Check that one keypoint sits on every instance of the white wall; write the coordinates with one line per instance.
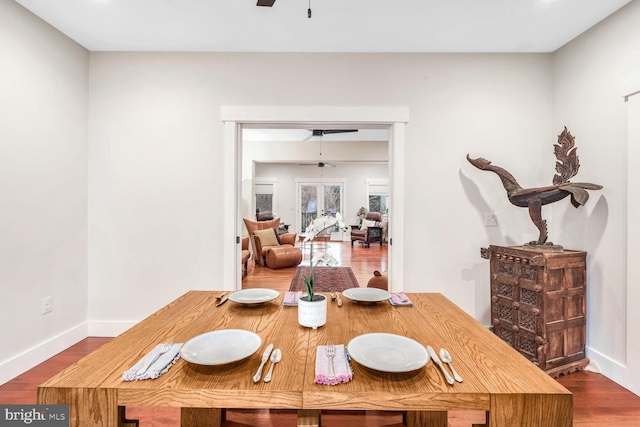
(43, 190)
(587, 78)
(155, 171)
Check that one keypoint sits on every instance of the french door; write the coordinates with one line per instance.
(316, 199)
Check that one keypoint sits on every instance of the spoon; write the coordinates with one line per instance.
(446, 358)
(275, 358)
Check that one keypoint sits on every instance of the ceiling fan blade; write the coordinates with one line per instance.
(321, 132)
(266, 3)
(328, 131)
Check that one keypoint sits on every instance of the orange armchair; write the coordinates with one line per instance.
(262, 242)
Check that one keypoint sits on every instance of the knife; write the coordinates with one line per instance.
(265, 357)
(437, 361)
(222, 301)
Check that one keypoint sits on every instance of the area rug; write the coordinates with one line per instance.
(327, 279)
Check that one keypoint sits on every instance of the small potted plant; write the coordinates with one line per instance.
(312, 307)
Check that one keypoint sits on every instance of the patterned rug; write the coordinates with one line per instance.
(327, 279)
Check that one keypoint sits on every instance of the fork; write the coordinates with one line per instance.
(165, 347)
(331, 352)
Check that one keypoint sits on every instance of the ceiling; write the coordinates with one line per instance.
(335, 26)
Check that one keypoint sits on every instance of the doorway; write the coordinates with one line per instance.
(236, 118)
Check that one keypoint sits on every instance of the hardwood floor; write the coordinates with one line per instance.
(363, 261)
(598, 401)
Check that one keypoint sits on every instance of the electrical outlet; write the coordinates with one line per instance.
(47, 305)
(490, 219)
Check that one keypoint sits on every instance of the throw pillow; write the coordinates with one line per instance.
(366, 224)
(267, 237)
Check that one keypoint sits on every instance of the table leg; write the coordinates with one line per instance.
(122, 418)
(531, 410)
(486, 421)
(309, 418)
(87, 406)
(425, 419)
(200, 417)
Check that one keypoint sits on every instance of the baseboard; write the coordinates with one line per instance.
(108, 329)
(614, 370)
(32, 357)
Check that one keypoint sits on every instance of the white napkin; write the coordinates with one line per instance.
(291, 298)
(158, 367)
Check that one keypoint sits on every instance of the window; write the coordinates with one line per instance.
(265, 195)
(378, 194)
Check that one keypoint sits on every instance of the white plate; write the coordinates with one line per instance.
(388, 352)
(220, 347)
(366, 294)
(254, 296)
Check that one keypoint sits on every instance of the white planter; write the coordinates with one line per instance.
(312, 314)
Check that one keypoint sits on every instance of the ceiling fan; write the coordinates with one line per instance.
(319, 164)
(322, 132)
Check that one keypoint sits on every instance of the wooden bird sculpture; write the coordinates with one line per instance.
(567, 166)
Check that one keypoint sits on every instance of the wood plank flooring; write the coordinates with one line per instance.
(598, 401)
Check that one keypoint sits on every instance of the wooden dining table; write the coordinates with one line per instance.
(497, 379)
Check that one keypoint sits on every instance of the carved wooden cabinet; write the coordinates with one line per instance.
(538, 304)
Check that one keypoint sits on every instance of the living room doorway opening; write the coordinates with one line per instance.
(235, 119)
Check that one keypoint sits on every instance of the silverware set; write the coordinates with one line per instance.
(275, 358)
(447, 359)
(335, 296)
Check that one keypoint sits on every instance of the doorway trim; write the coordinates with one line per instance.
(235, 118)
(630, 377)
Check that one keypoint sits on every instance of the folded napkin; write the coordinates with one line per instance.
(400, 298)
(341, 366)
(157, 368)
(291, 298)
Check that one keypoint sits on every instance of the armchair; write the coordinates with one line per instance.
(269, 216)
(369, 231)
(246, 254)
(262, 242)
